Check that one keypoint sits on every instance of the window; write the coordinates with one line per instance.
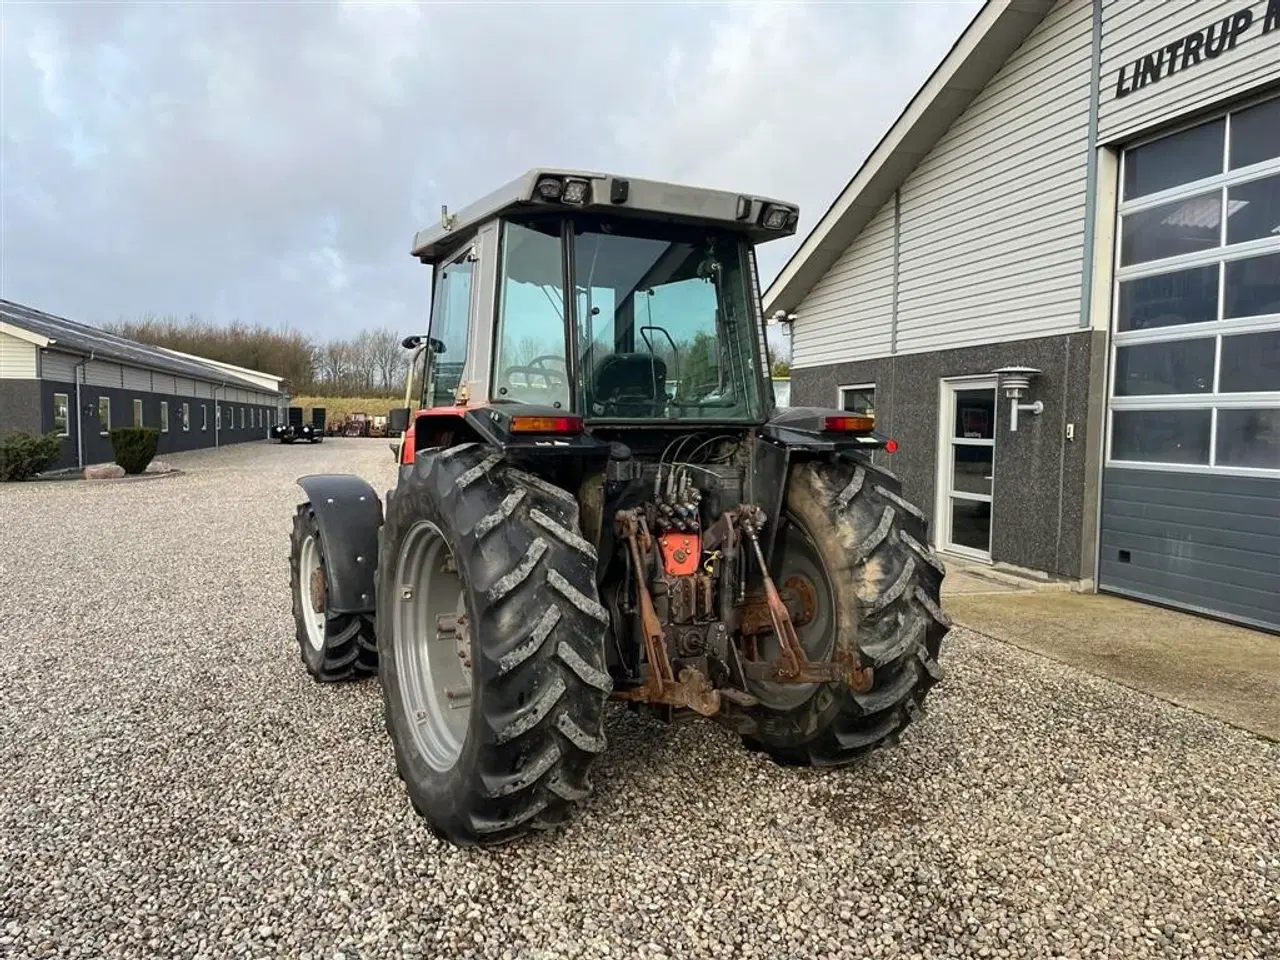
(204, 417)
(137, 413)
(186, 417)
(665, 328)
(104, 415)
(62, 414)
(1196, 362)
(859, 398)
(451, 326)
(217, 416)
(164, 416)
(242, 409)
(530, 364)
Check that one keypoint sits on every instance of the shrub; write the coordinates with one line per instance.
(22, 456)
(134, 447)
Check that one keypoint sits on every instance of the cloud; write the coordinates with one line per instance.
(271, 161)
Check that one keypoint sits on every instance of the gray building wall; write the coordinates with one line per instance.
(1042, 510)
(19, 407)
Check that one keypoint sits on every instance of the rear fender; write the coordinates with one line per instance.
(349, 514)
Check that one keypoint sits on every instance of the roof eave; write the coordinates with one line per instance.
(27, 336)
(995, 32)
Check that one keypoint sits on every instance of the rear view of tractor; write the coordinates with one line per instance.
(294, 430)
(598, 499)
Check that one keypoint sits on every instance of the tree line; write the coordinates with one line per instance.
(370, 364)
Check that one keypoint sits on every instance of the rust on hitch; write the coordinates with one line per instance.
(691, 689)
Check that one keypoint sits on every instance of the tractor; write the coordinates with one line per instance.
(597, 500)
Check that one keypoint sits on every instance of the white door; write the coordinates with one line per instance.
(966, 462)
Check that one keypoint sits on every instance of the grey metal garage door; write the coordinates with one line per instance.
(1191, 485)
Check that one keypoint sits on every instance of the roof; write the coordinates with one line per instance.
(608, 192)
(62, 334)
(268, 380)
(995, 32)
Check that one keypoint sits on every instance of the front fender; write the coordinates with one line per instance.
(348, 513)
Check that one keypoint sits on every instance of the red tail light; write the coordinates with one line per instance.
(892, 446)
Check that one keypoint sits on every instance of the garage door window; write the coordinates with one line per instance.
(1196, 361)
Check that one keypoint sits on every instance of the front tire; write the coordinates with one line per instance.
(333, 647)
(878, 594)
(503, 745)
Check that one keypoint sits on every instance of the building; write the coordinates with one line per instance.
(78, 381)
(1053, 198)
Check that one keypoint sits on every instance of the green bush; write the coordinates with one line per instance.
(22, 456)
(134, 447)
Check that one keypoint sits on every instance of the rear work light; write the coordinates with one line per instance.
(575, 191)
(849, 424)
(562, 425)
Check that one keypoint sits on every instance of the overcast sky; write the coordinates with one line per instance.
(271, 161)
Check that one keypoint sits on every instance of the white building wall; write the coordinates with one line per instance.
(18, 359)
(136, 379)
(992, 220)
(848, 314)
(1132, 29)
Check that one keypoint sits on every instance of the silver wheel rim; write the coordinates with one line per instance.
(799, 555)
(432, 647)
(308, 569)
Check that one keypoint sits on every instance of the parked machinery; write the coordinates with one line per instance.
(565, 530)
(294, 429)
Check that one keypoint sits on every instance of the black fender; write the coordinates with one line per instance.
(349, 515)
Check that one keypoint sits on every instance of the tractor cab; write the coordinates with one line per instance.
(597, 300)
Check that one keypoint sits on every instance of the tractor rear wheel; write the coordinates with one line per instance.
(333, 646)
(858, 555)
(491, 640)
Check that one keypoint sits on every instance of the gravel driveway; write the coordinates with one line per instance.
(172, 784)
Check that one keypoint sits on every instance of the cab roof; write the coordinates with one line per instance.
(546, 189)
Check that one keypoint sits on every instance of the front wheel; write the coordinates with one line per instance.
(491, 642)
(856, 552)
(333, 646)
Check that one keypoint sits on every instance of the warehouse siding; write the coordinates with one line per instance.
(848, 314)
(58, 366)
(993, 218)
(1135, 28)
(1203, 542)
(17, 359)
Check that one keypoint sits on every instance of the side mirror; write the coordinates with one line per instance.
(398, 419)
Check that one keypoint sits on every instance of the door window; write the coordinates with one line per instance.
(451, 327)
(970, 468)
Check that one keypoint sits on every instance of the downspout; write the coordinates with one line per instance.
(79, 370)
(1086, 292)
(217, 415)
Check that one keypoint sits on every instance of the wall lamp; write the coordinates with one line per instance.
(1013, 381)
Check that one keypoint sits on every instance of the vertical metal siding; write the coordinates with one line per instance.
(58, 366)
(992, 231)
(1133, 28)
(136, 379)
(18, 359)
(848, 314)
(100, 373)
(1203, 542)
(164, 383)
(184, 387)
(203, 389)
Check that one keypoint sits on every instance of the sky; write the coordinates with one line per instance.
(269, 162)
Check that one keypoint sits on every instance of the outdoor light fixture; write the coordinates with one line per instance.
(1014, 380)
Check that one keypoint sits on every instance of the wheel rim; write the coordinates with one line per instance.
(798, 560)
(311, 574)
(432, 647)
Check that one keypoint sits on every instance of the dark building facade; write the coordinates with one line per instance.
(75, 381)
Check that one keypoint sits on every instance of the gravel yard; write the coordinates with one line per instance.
(173, 784)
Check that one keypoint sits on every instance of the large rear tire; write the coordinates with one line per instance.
(333, 647)
(491, 640)
(875, 590)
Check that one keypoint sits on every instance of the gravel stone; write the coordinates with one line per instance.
(174, 785)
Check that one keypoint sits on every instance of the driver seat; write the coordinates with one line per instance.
(630, 385)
